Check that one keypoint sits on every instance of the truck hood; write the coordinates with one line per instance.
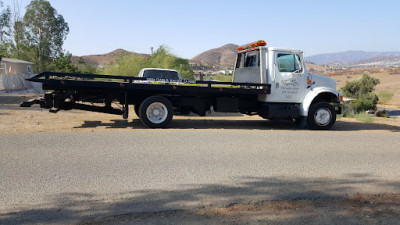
(322, 81)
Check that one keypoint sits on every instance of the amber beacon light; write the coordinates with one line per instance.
(252, 45)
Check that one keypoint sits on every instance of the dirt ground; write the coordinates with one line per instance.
(14, 119)
(358, 209)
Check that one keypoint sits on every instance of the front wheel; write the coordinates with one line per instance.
(156, 112)
(321, 116)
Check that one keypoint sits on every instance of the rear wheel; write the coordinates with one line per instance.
(156, 112)
(321, 116)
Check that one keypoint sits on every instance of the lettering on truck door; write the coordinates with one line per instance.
(290, 80)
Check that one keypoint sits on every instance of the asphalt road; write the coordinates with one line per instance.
(390, 112)
(70, 177)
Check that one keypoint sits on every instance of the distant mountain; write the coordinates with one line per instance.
(224, 56)
(348, 56)
(377, 61)
(103, 59)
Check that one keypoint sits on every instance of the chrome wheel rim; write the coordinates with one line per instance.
(157, 112)
(322, 117)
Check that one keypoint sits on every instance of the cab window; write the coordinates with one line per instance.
(251, 61)
(248, 59)
(289, 63)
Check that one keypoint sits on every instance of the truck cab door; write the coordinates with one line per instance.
(290, 77)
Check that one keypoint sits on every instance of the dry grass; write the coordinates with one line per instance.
(364, 118)
(385, 96)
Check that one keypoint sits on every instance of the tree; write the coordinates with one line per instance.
(128, 65)
(162, 58)
(63, 64)
(83, 67)
(20, 45)
(46, 31)
(5, 23)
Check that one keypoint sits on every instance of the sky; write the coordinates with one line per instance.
(189, 28)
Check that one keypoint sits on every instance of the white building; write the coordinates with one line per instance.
(13, 73)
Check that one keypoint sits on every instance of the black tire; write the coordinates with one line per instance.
(156, 112)
(321, 116)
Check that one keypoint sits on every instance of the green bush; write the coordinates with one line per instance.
(360, 89)
(362, 105)
(86, 69)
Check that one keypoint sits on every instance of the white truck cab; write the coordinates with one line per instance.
(293, 89)
(160, 74)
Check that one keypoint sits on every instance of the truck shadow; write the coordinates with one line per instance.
(142, 206)
(114, 124)
(237, 124)
(196, 124)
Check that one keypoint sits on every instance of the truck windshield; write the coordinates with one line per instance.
(248, 59)
(161, 74)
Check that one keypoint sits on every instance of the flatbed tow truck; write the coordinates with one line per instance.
(269, 82)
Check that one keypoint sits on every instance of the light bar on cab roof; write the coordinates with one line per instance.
(252, 45)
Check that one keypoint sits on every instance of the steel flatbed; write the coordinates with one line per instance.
(70, 90)
(69, 81)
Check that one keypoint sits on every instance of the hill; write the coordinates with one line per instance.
(221, 57)
(103, 59)
(224, 58)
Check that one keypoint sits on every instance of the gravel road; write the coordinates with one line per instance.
(70, 177)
